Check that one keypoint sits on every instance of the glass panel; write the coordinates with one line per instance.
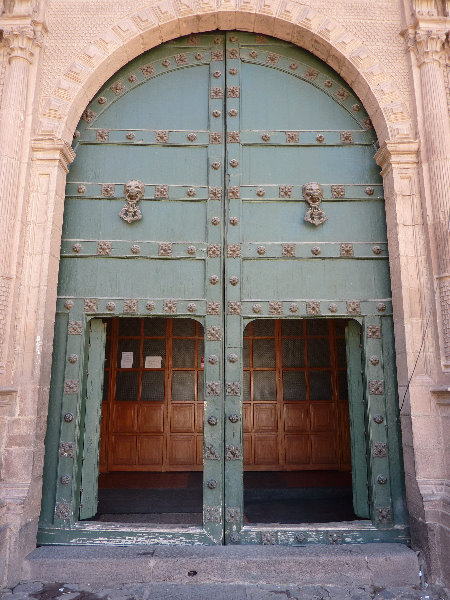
(183, 354)
(246, 386)
(184, 327)
(340, 325)
(127, 386)
(343, 385)
(152, 386)
(129, 326)
(320, 385)
(263, 327)
(264, 353)
(341, 354)
(317, 327)
(294, 385)
(129, 362)
(183, 386)
(293, 353)
(201, 354)
(200, 388)
(264, 386)
(292, 327)
(105, 386)
(155, 327)
(319, 353)
(153, 350)
(246, 353)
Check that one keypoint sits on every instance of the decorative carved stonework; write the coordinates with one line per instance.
(313, 308)
(90, 305)
(165, 249)
(376, 387)
(104, 248)
(233, 251)
(162, 191)
(170, 306)
(285, 191)
(67, 449)
(192, 307)
(288, 250)
(353, 307)
(213, 334)
(338, 191)
(232, 514)
(108, 190)
(71, 386)
(110, 306)
(62, 510)
(428, 46)
(293, 307)
(234, 308)
(313, 194)
(234, 192)
(374, 331)
(213, 388)
(213, 308)
(257, 308)
(384, 514)
(134, 192)
(212, 514)
(74, 328)
(233, 452)
(130, 305)
(210, 452)
(275, 308)
(346, 250)
(292, 137)
(215, 193)
(213, 251)
(379, 450)
(233, 388)
(68, 304)
(424, 8)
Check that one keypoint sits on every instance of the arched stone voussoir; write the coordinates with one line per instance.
(290, 20)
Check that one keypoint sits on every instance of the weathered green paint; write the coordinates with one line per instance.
(357, 419)
(206, 122)
(93, 411)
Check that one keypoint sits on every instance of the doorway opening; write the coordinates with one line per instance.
(151, 450)
(297, 458)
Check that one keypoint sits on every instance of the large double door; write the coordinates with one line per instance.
(227, 178)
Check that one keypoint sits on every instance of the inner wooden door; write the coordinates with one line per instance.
(152, 413)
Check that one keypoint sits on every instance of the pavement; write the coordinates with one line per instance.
(32, 590)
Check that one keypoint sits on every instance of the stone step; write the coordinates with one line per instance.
(365, 564)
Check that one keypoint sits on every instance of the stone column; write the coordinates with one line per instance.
(429, 47)
(21, 41)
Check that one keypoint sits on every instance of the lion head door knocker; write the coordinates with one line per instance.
(313, 195)
(134, 192)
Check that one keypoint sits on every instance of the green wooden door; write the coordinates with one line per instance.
(190, 196)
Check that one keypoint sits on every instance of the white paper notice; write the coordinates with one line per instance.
(153, 362)
(127, 360)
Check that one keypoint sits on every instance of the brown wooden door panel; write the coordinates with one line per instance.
(265, 449)
(150, 450)
(199, 447)
(323, 417)
(124, 417)
(298, 450)
(182, 451)
(199, 417)
(324, 449)
(123, 450)
(151, 418)
(247, 417)
(182, 417)
(296, 417)
(265, 417)
(248, 449)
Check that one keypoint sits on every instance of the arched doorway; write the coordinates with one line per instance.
(228, 178)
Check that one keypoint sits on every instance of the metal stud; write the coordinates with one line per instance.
(212, 420)
(212, 484)
(232, 358)
(68, 417)
(378, 419)
(233, 418)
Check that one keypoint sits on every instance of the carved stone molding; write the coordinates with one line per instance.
(428, 45)
(21, 41)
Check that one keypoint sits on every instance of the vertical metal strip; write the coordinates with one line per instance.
(213, 484)
(234, 508)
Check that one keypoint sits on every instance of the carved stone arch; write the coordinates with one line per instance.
(292, 22)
